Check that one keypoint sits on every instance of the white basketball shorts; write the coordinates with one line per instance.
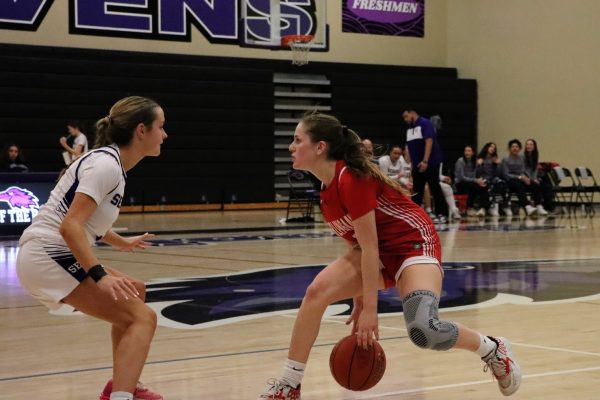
(49, 272)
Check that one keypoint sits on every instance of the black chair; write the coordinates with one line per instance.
(303, 196)
(565, 189)
(587, 187)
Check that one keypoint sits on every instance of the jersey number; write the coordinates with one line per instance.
(73, 268)
(116, 200)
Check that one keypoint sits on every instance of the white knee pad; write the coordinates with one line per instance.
(424, 328)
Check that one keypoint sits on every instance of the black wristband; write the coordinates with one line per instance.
(96, 272)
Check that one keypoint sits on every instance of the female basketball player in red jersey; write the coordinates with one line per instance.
(56, 263)
(391, 243)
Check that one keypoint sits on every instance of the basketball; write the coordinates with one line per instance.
(354, 367)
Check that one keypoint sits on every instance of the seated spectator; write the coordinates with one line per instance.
(368, 146)
(446, 185)
(394, 166)
(406, 165)
(11, 159)
(489, 169)
(467, 182)
(80, 143)
(518, 180)
(532, 169)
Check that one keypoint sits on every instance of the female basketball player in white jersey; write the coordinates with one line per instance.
(391, 243)
(56, 263)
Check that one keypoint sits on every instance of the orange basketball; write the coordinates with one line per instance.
(355, 368)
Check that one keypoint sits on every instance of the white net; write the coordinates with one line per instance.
(300, 51)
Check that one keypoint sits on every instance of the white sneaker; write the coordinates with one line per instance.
(529, 222)
(541, 210)
(471, 212)
(494, 210)
(279, 390)
(439, 219)
(455, 213)
(504, 367)
(481, 212)
(508, 212)
(530, 210)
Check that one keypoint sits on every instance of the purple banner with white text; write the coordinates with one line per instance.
(384, 17)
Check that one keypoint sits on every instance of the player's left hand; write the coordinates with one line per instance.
(136, 242)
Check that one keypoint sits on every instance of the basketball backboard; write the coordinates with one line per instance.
(264, 22)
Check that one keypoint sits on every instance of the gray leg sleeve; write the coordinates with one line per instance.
(424, 328)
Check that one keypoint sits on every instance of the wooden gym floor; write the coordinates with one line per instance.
(226, 286)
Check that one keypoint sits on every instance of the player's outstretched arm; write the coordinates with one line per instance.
(129, 243)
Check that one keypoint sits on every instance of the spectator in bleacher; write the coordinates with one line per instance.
(394, 165)
(518, 180)
(368, 147)
(489, 168)
(467, 182)
(426, 157)
(80, 143)
(532, 169)
(446, 185)
(11, 159)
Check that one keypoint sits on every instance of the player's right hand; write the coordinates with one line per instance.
(117, 287)
(356, 310)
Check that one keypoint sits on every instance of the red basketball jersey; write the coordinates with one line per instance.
(401, 224)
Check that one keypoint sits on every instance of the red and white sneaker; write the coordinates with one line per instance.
(504, 367)
(278, 390)
(141, 392)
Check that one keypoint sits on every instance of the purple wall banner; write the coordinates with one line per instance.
(384, 17)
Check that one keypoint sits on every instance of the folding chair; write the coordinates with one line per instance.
(565, 189)
(303, 196)
(587, 188)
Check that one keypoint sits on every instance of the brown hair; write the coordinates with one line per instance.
(118, 126)
(344, 144)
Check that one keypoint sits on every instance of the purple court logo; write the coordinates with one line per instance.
(217, 300)
(384, 17)
(23, 206)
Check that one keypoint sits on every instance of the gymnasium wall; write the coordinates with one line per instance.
(344, 47)
(536, 63)
(219, 99)
(219, 112)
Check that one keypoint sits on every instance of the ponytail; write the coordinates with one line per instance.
(120, 123)
(102, 132)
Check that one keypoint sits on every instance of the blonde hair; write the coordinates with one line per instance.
(344, 144)
(118, 126)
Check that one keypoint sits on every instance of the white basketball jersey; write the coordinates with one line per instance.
(98, 174)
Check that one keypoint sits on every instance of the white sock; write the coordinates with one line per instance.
(121, 396)
(293, 372)
(486, 346)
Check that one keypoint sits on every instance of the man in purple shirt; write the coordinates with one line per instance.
(426, 158)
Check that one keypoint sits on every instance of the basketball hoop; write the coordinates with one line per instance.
(300, 46)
